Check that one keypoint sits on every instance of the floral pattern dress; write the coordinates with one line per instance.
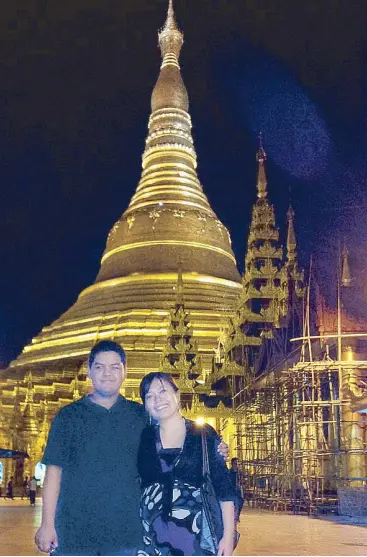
(176, 532)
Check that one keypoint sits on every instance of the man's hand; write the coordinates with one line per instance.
(46, 538)
(223, 449)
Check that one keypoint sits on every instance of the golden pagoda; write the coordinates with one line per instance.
(169, 220)
(272, 286)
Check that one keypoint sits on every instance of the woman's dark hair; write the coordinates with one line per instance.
(148, 380)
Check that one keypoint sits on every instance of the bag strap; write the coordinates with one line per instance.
(204, 446)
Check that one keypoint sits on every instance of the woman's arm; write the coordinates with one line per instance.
(227, 542)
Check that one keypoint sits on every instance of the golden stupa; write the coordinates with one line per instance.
(168, 224)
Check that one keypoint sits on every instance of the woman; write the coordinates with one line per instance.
(170, 467)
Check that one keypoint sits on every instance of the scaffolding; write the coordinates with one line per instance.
(298, 440)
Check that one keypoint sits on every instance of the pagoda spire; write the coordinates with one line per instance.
(169, 206)
(29, 422)
(291, 237)
(259, 308)
(180, 355)
(179, 286)
(262, 183)
(170, 40)
(17, 412)
(76, 392)
(292, 274)
(346, 277)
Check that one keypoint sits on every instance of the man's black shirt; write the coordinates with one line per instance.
(98, 505)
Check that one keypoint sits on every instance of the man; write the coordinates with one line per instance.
(25, 488)
(9, 490)
(91, 490)
(32, 491)
(236, 477)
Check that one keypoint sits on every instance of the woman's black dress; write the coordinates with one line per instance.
(171, 505)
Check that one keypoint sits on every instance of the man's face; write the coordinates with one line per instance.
(107, 373)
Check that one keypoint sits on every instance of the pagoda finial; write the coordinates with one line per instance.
(170, 39)
(170, 91)
(262, 182)
(346, 277)
(291, 236)
(170, 21)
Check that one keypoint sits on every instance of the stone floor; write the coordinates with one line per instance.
(262, 533)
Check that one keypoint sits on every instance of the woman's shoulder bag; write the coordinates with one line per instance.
(212, 521)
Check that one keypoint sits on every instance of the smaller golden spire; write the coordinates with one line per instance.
(262, 183)
(30, 390)
(291, 236)
(29, 422)
(45, 425)
(76, 392)
(179, 286)
(346, 278)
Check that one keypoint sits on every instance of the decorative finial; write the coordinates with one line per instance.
(170, 39)
(261, 176)
(171, 20)
(346, 278)
(291, 236)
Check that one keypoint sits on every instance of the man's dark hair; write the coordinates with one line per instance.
(148, 380)
(106, 346)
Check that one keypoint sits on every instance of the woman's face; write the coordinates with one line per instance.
(161, 401)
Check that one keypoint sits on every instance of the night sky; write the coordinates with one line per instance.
(75, 84)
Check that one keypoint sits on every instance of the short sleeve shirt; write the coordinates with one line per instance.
(96, 448)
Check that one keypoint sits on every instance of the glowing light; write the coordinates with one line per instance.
(349, 355)
(200, 420)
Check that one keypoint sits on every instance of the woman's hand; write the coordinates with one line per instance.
(226, 545)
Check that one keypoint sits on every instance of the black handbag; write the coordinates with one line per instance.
(212, 521)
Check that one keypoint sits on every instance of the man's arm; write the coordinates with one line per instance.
(46, 537)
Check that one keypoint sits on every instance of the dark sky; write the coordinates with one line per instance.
(75, 85)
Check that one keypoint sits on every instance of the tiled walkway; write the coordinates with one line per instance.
(262, 533)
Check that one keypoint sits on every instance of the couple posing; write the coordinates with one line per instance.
(103, 457)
